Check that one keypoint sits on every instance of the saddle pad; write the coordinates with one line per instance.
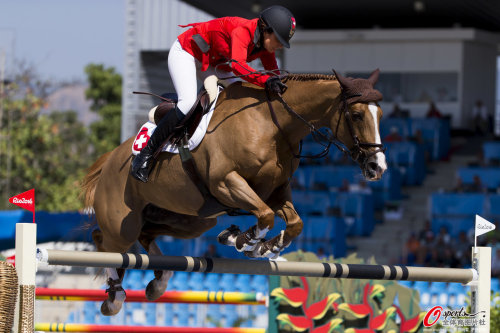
(148, 128)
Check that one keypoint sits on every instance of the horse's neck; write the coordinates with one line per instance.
(313, 100)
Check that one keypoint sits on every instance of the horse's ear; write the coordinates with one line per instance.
(374, 77)
(340, 78)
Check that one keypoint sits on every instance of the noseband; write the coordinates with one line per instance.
(358, 152)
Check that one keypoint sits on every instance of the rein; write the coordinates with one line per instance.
(357, 153)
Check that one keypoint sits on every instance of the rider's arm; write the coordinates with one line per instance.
(240, 40)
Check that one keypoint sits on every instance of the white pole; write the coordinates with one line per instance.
(481, 289)
(26, 272)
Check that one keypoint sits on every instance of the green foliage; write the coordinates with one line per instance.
(47, 152)
(495, 313)
(105, 92)
(50, 152)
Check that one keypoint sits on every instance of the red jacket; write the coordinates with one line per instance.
(229, 38)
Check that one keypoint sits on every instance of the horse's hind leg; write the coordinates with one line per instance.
(111, 239)
(158, 285)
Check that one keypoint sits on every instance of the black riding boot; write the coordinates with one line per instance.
(140, 164)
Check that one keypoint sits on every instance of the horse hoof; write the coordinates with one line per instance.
(155, 289)
(263, 250)
(228, 236)
(109, 308)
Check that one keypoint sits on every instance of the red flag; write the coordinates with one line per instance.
(11, 259)
(25, 200)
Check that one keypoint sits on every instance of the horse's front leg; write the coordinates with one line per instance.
(281, 202)
(234, 191)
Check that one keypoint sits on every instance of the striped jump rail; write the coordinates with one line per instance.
(61, 327)
(198, 297)
(260, 267)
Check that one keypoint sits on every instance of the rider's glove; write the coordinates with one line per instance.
(274, 85)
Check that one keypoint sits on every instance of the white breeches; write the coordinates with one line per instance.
(185, 70)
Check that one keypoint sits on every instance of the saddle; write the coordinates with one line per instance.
(190, 122)
(180, 137)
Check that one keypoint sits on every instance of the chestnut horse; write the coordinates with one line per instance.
(246, 160)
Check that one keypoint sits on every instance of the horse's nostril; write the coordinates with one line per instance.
(373, 166)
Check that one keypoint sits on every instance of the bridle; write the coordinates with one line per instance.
(358, 152)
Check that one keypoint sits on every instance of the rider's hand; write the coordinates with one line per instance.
(274, 85)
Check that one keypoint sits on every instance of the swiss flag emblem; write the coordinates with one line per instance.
(141, 139)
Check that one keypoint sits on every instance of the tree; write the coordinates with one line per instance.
(105, 92)
(47, 152)
(51, 152)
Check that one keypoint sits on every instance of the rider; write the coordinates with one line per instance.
(225, 44)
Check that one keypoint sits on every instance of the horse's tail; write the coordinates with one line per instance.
(90, 181)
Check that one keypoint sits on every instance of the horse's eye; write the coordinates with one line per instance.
(357, 116)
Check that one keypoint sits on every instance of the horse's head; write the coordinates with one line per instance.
(357, 125)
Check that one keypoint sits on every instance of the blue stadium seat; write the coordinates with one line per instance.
(179, 281)
(72, 318)
(260, 283)
(439, 294)
(151, 314)
(402, 124)
(227, 281)
(456, 211)
(133, 279)
(242, 283)
(89, 312)
(308, 202)
(490, 176)
(168, 314)
(195, 281)
(405, 283)
(495, 285)
(491, 152)
(211, 282)
(456, 294)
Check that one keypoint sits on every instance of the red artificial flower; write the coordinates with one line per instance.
(298, 323)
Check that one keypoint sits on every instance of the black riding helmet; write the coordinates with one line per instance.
(281, 21)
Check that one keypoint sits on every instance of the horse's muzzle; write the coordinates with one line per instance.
(375, 167)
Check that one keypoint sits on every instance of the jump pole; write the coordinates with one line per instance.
(480, 296)
(258, 267)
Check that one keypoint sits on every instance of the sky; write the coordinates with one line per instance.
(60, 37)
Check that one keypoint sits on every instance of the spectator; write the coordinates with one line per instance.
(393, 136)
(426, 233)
(462, 247)
(344, 187)
(443, 238)
(477, 186)
(459, 186)
(397, 112)
(480, 118)
(412, 247)
(321, 253)
(433, 111)
(211, 252)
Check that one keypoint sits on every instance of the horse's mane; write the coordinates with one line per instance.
(309, 77)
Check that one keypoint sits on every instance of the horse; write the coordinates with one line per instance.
(246, 161)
